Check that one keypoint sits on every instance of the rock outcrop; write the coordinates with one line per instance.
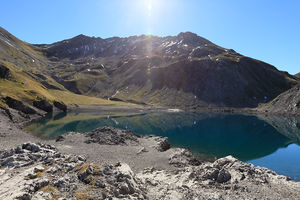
(4, 72)
(61, 106)
(18, 105)
(37, 171)
(286, 103)
(162, 143)
(111, 136)
(226, 178)
(43, 105)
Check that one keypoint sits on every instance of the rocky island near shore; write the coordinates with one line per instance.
(109, 163)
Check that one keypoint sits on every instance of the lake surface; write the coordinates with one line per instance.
(268, 141)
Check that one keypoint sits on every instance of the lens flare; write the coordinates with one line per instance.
(149, 6)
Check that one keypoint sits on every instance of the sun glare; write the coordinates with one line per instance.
(149, 5)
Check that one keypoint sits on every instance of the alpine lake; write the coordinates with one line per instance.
(270, 141)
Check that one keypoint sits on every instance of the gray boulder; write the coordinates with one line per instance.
(163, 144)
(223, 176)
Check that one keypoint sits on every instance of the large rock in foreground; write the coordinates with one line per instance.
(38, 171)
(226, 178)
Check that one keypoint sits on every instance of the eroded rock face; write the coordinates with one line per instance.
(60, 106)
(18, 105)
(4, 72)
(43, 105)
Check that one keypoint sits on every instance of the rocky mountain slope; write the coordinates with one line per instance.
(184, 71)
(23, 76)
(286, 103)
(297, 75)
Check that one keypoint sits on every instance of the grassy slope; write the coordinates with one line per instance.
(26, 64)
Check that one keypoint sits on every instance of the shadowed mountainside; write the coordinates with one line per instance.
(185, 71)
(286, 103)
(181, 71)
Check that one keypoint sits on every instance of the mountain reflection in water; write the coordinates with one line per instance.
(246, 137)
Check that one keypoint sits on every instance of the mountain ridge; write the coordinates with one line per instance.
(185, 71)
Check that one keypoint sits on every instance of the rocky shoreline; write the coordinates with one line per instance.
(109, 163)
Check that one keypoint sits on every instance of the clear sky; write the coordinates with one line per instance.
(267, 30)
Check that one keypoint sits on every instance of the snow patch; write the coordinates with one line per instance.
(117, 92)
(174, 110)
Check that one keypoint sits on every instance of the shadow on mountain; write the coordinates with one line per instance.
(287, 126)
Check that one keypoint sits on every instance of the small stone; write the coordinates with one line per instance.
(24, 196)
(126, 188)
(31, 176)
(60, 139)
(7, 161)
(142, 150)
(81, 158)
(19, 150)
(60, 183)
(40, 184)
(99, 184)
(38, 169)
(223, 176)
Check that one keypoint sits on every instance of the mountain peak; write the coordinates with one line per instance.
(187, 34)
(192, 38)
(82, 37)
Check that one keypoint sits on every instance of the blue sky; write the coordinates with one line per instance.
(267, 30)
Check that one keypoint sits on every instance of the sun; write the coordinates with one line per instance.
(149, 7)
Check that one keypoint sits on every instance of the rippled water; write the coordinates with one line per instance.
(269, 141)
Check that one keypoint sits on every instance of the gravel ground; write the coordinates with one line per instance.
(109, 163)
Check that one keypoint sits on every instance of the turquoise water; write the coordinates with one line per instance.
(268, 141)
